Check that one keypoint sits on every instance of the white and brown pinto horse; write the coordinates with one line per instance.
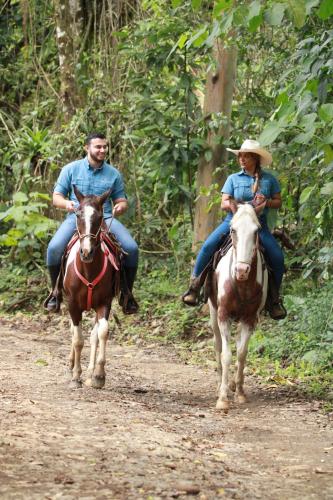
(239, 295)
(89, 283)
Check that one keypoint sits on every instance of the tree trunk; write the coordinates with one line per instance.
(218, 99)
(68, 29)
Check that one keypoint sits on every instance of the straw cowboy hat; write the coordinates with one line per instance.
(250, 146)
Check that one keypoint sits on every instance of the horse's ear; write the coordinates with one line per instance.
(78, 194)
(104, 196)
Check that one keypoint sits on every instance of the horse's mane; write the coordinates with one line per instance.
(247, 209)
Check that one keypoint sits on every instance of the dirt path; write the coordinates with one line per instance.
(151, 433)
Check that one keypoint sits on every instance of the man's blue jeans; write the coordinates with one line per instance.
(273, 252)
(63, 235)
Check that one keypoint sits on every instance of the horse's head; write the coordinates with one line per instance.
(244, 233)
(89, 220)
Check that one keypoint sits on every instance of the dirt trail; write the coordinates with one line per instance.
(153, 432)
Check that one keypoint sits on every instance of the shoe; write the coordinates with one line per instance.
(52, 303)
(277, 311)
(131, 307)
(191, 296)
(126, 299)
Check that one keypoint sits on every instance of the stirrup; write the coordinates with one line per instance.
(52, 303)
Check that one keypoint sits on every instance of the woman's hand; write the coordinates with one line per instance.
(259, 199)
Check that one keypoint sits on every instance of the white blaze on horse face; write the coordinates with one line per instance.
(246, 240)
(86, 243)
(245, 226)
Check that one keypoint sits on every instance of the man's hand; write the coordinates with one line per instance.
(70, 206)
(119, 208)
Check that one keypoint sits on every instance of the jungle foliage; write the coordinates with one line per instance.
(138, 73)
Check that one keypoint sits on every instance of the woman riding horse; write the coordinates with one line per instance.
(251, 184)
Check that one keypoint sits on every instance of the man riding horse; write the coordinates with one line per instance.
(92, 175)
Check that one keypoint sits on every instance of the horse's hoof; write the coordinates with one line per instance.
(98, 382)
(88, 382)
(222, 405)
(75, 384)
(232, 385)
(241, 398)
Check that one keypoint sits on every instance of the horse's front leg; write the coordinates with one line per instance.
(242, 347)
(93, 351)
(76, 349)
(223, 401)
(218, 343)
(98, 376)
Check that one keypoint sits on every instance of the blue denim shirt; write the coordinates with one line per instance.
(90, 181)
(239, 186)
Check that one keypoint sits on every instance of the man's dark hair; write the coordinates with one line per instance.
(94, 135)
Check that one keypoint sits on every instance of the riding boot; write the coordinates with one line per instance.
(191, 296)
(52, 303)
(126, 299)
(274, 303)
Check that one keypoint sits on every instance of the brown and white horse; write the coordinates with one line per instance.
(89, 282)
(239, 295)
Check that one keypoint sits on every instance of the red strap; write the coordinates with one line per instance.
(94, 283)
(110, 256)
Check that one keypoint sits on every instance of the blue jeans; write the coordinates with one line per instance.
(61, 238)
(273, 252)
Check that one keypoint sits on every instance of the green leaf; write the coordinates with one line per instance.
(254, 9)
(196, 4)
(328, 152)
(297, 10)
(326, 111)
(325, 10)
(176, 3)
(198, 38)
(20, 197)
(305, 137)
(275, 15)
(182, 40)
(41, 362)
(270, 133)
(327, 189)
(254, 23)
(306, 193)
(221, 6)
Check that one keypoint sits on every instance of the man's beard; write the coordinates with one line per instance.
(96, 159)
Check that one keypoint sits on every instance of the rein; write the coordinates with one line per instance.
(108, 257)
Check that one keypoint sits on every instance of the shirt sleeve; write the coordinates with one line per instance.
(118, 190)
(275, 186)
(63, 184)
(228, 187)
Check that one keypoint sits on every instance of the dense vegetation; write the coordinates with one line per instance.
(138, 71)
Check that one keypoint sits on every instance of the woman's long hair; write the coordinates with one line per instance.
(257, 174)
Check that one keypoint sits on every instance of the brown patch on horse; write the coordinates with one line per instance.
(241, 299)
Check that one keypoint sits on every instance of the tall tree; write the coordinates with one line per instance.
(218, 99)
(68, 30)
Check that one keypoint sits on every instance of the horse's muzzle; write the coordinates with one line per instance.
(242, 271)
(86, 257)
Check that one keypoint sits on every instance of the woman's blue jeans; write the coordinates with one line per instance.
(273, 252)
(63, 235)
